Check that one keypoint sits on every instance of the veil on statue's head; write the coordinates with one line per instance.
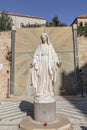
(45, 34)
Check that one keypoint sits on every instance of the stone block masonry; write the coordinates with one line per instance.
(5, 46)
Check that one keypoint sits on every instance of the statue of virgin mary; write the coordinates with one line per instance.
(44, 70)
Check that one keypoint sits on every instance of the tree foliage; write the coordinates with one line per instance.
(82, 30)
(5, 22)
(55, 23)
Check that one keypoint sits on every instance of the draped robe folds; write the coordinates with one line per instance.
(44, 72)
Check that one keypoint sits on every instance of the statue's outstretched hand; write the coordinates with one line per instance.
(31, 65)
(59, 64)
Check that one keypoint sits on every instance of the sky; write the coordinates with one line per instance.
(66, 10)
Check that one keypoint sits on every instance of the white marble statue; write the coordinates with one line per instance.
(44, 70)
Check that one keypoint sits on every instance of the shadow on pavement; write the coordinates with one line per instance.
(84, 128)
(27, 107)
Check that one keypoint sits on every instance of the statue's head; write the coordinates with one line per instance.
(44, 38)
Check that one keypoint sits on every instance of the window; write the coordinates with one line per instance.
(81, 24)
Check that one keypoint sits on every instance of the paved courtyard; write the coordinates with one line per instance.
(13, 111)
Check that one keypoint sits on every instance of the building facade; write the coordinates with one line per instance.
(20, 20)
(80, 20)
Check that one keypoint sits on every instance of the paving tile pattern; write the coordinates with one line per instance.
(11, 113)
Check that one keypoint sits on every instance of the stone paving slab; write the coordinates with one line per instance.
(8, 127)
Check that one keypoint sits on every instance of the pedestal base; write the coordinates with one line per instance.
(61, 123)
(45, 112)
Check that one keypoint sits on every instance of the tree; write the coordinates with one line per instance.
(55, 23)
(62, 25)
(49, 24)
(5, 22)
(82, 30)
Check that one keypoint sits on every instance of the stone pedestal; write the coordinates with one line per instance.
(45, 112)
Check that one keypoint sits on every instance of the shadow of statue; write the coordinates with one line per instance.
(71, 88)
(27, 107)
(84, 128)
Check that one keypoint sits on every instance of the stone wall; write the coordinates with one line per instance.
(26, 42)
(5, 45)
(82, 53)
